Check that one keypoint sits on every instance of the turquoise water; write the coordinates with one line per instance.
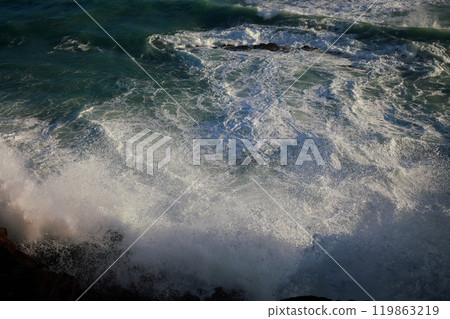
(376, 105)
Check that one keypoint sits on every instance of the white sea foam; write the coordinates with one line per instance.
(382, 11)
(231, 234)
(72, 45)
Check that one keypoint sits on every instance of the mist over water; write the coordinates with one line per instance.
(376, 106)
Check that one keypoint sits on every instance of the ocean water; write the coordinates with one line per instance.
(376, 106)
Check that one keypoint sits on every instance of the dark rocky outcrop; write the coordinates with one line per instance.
(269, 47)
(308, 48)
(273, 47)
(25, 278)
(262, 46)
(221, 294)
(231, 47)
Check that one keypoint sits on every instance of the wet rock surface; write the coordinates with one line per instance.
(23, 277)
(269, 47)
(306, 298)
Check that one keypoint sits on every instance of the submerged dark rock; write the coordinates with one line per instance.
(306, 298)
(269, 46)
(231, 47)
(273, 47)
(308, 48)
(23, 277)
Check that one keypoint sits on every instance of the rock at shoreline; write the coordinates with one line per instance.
(25, 278)
(306, 298)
